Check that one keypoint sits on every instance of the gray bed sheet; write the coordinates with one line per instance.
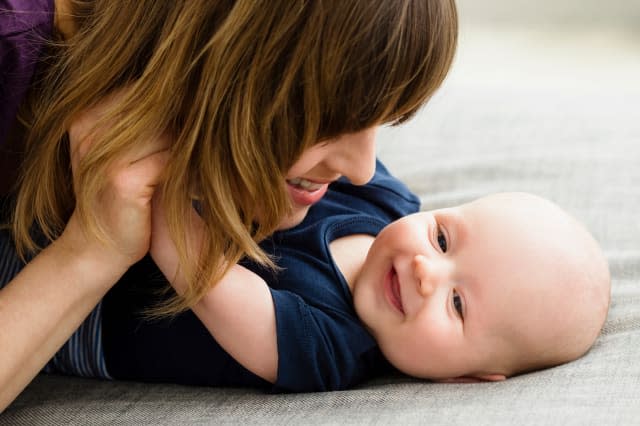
(555, 114)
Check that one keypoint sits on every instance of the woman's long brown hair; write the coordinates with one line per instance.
(243, 87)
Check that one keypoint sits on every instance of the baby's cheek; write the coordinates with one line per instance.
(407, 355)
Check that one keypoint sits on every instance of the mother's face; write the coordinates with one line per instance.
(352, 155)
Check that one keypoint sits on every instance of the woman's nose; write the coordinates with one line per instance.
(359, 156)
(430, 273)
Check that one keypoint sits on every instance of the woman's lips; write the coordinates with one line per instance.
(304, 192)
(392, 290)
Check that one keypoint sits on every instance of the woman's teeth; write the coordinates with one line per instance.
(305, 184)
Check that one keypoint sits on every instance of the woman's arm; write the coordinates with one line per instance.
(42, 306)
(238, 311)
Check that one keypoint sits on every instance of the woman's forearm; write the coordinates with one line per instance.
(44, 304)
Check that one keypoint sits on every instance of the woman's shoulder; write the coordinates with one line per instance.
(25, 25)
(18, 17)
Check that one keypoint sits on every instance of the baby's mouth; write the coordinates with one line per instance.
(394, 294)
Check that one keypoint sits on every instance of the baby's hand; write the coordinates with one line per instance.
(163, 250)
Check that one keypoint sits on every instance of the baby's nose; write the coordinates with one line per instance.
(429, 274)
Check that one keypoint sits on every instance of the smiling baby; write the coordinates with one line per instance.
(503, 285)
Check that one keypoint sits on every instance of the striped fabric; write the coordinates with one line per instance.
(10, 264)
(82, 354)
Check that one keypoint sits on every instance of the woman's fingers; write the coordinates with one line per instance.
(138, 179)
(123, 206)
(86, 127)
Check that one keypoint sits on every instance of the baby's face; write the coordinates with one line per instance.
(450, 293)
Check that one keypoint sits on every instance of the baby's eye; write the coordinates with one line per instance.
(457, 304)
(442, 240)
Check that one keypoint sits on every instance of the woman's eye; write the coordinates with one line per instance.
(442, 240)
(457, 304)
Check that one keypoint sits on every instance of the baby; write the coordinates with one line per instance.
(503, 285)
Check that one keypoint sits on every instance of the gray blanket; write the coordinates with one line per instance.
(528, 109)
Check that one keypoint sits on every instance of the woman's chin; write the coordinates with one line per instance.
(295, 218)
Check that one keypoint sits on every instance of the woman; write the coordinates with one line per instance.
(251, 108)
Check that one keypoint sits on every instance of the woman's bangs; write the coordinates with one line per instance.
(390, 70)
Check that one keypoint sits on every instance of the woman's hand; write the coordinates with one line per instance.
(124, 206)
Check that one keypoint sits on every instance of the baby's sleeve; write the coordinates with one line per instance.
(320, 349)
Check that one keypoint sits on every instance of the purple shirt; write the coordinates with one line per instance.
(25, 25)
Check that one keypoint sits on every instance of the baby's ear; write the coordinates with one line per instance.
(474, 379)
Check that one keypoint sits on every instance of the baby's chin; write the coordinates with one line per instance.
(468, 377)
(444, 373)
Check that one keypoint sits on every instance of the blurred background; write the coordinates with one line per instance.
(563, 15)
(547, 88)
(550, 44)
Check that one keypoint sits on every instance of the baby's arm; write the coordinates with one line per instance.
(238, 311)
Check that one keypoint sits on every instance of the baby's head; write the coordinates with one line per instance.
(505, 284)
